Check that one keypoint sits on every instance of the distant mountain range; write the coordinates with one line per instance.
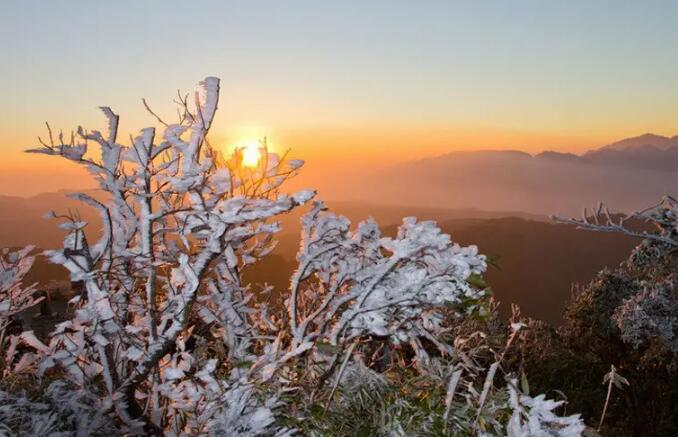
(642, 141)
(627, 175)
(648, 152)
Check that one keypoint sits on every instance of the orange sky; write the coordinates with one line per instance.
(344, 150)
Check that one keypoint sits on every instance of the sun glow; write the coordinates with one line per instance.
(251, 155)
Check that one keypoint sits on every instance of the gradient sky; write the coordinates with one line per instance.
(353, 82)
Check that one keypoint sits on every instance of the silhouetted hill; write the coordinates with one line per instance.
(648, 151)
(649, 157)
(539, 262)
(641, 141)
(549, 183)
(565, 157)
(22, 222)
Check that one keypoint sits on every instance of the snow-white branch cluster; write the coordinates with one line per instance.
(356, 283)
(535, 416)
(15, 297)
(179, 224)
(663, 216)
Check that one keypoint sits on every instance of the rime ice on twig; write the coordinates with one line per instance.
(662, 215)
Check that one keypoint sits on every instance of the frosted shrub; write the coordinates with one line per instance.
(352, 284)
(14, 297)
(650, 315)
(625, 319)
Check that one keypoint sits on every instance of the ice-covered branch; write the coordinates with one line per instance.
(662, 215)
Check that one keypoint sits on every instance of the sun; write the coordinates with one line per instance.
(251, 155)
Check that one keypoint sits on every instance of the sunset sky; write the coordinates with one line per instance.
(351, 83)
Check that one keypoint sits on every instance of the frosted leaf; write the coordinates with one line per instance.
(222, 181)
(74, 299)
(134, 353)
(30, 339)
(100, 339)
(173, 373)
(241, 415)
(295, 164)
(304, 196)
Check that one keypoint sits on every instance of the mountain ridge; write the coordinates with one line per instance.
(550, 182)
(647, 139)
